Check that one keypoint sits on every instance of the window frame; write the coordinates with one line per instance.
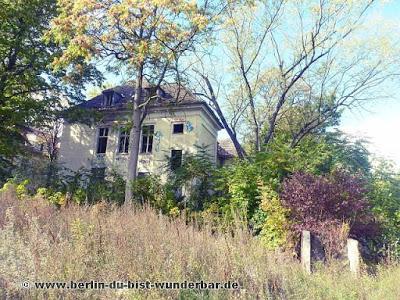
(98, 174)
(151, 135)
(178, 123)
(125, 135)
(104, 136)
(172, 167)
(108, 99)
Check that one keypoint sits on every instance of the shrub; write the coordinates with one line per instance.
(274, 230)
(149, 190)
(322, 204)
(195, 175)
(57, 198)
(22, 191)
(385, 198)
(87, 187)
(237, 190)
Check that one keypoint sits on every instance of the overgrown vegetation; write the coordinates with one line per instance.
(279, 97)
(105, 242)
(325, 185)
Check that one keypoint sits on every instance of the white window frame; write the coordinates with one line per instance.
(123, 133)
(141, 140)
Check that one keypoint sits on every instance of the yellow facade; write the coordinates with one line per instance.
(79, 142)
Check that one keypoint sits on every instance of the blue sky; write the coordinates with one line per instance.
(379, 122)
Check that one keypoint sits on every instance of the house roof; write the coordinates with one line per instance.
(169, 95)
(226, 149)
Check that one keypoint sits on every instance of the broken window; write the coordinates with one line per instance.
(178, 128)
(108, 98)
(102, 140)
(147, 138)
(176, 159)
(123, 145)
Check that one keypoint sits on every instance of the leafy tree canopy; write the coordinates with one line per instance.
(30, 93)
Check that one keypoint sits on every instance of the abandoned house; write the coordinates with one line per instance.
(176, 123)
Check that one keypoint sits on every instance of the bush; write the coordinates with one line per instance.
(85, 186)
(323, 204)
(237, 190)
(195, 176)
(385, 199)
(149, 190)
(275, 229)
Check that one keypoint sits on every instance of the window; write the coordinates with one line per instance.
(123, 144)
(142, 174)
(102, 140)
(178, 128)
(108, 98)
(176, 159)
(147, 138)
(98, 174)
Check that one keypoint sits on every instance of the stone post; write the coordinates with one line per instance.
(306, 250)
(354, 256)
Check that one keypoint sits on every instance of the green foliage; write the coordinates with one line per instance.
(316, 154)
(275, 230)
(147, 189)
(56, 198)
(24, 58)
(40, 171)
(187, 188)
(30, 93)
(6, 187)
(79, 196)
(385, 199)
(196, 176)
(111, 188)
(347, 154)
(87, 187)
(237, 190)
(237, 184)
(22, 191)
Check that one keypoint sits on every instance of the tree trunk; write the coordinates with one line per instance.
(238, 147)
(134, 139)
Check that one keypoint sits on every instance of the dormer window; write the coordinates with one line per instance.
(108, 98)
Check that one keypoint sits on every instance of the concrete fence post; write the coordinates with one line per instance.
(354, 256)
(306, 250)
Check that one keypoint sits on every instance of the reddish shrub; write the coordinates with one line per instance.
(326, 205)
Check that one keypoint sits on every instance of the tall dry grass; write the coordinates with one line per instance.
(39, 242)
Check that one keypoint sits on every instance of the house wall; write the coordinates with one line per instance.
(79, 142)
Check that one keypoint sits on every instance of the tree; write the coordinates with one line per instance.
(49, 135)
(146, 38)
(29, 91)
(23, 59)
(209, 94)
(295, 62)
